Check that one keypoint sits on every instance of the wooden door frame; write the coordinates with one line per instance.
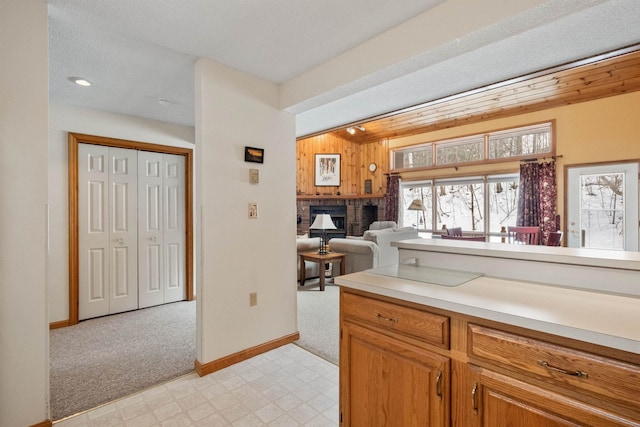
(74, 140)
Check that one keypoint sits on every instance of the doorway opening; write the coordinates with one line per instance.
(130, 344)
(74, 278)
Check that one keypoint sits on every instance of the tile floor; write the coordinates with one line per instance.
(287, 386)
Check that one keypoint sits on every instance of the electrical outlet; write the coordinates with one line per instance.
(253, 299)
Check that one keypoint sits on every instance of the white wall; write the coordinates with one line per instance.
(238, 255)
(65, 119)
(24, 334)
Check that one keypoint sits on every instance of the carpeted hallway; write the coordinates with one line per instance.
(102, 359)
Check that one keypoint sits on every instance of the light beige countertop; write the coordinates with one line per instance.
(604, 318)
(626, 260)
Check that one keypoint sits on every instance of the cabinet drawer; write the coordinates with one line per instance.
(427, 327)
(556, 364)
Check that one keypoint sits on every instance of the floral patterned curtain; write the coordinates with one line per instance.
(537, 203)
(391, 198)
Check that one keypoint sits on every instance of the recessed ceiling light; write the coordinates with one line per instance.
(80, 81)
(164, 101)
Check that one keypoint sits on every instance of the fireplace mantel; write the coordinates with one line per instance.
(340, 197)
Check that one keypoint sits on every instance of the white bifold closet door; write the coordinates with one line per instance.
(108, 238)
(161, 232)
(131, 229)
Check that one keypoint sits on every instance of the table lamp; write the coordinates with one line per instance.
(417, 206)
(323, 222)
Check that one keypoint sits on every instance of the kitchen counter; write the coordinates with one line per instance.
(625, 260)
(533, 294)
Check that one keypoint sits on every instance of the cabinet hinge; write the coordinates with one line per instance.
(340, 333)
(340, 417)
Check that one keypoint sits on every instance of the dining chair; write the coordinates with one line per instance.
(455, 231)
(555, 238)
(524, 235)
(467, 238)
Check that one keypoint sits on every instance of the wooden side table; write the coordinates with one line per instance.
(314, 256)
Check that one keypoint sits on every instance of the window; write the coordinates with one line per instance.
(460, 151)
(460, 203)
(418, 156)
(502, 201)
(504, 145)
(527, 141)
(481, 204)
(423, 220)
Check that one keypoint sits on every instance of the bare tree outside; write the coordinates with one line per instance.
(503, 204)
(460, 205)
(602, 210)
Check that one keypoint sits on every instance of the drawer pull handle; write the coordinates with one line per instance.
(578, 374)
(474, 402)
(439, 385)
(388, 319)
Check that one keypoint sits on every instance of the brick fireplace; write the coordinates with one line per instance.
(359, 212)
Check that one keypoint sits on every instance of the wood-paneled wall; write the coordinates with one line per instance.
(354, 165)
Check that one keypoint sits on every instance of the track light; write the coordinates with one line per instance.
(352, 129)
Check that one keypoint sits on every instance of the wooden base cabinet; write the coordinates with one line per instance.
(489, 399)
(388, 375)
(403, 364)
(391, 383)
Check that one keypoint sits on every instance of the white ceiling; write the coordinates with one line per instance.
(338, 61)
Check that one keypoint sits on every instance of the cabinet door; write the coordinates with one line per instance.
(386, 382)
(494, 400)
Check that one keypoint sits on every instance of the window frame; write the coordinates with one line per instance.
(487, 138)
(484, 179)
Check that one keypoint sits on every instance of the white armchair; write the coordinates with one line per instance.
(360, 254)
(373, 249)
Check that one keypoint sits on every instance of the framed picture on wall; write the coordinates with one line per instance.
(327, 170)
(253, 154)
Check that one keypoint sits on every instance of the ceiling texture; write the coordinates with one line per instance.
(338, 62)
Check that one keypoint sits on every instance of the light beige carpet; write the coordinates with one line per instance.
(103, 359)
(318, 319)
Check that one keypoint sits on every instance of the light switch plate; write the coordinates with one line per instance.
(253, 210)
(254, 176)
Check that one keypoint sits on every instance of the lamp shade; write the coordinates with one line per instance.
(323, 222)
(416, 205)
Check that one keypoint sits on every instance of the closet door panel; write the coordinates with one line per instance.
(174, 228)
(93, 231)
(150, 229)
(123, 183)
